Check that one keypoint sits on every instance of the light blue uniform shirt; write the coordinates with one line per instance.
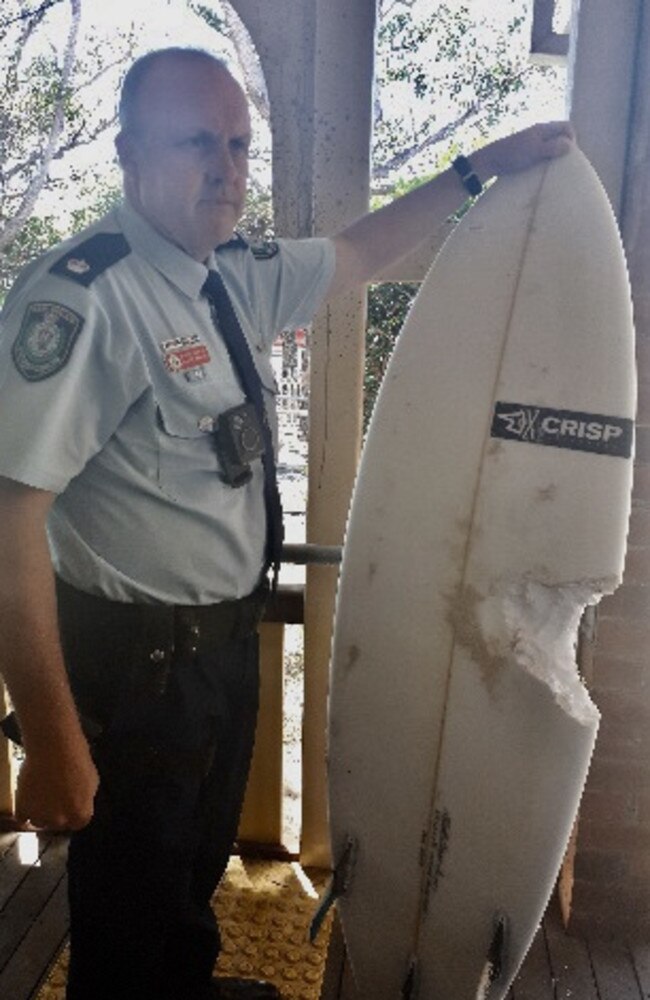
(107, 396)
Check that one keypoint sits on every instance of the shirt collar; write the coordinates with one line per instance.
(175, 264)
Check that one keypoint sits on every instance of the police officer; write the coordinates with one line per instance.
(133, 545)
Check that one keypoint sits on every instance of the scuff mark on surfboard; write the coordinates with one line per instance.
(433, 848)
(533, 626)
(463, 616)
(353, 655)
(547, 492)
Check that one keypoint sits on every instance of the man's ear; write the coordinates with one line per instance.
(125, 151)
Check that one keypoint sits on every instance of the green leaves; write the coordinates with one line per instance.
(451, 73)
(388, 305)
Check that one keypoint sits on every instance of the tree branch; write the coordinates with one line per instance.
(27, 15)
(34, 188)
(383, 170)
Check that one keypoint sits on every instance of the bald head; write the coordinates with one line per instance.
(184, 145)
(165, 60)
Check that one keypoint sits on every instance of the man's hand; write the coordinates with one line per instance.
(523, 149)
(57, 791)
(58, 780)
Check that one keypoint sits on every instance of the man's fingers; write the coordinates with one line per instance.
(556, 138)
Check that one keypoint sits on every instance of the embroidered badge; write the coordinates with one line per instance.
(265, 251)
(185, 354)
(44, 344)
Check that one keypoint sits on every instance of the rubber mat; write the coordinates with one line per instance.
(264, 911)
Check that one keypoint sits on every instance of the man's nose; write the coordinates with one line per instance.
(222, 164)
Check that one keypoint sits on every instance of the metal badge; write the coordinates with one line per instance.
(77, 265)
(186, 355)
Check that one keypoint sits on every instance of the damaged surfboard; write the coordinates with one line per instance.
(491, 508)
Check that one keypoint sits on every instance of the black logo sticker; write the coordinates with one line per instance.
(592, 432)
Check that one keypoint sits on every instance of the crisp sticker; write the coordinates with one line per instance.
(591, 432)
(45, 341)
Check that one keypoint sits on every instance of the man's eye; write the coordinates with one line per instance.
(204, 143)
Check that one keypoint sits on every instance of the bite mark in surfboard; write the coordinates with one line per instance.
(463, 616)
(531, 626)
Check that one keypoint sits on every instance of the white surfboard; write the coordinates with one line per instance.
(491, 507)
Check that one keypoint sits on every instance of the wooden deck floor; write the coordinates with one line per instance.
(33, 924)
(559, 967)
(33, 910)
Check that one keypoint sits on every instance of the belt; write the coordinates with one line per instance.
(164, 628)
(103, 638)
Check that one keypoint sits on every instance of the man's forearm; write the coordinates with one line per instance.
(369, 245)
(376, 240)
(30, 654)
(31, 662)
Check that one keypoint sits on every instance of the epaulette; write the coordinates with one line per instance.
(87, 260)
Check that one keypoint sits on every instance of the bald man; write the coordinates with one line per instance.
(139, 515)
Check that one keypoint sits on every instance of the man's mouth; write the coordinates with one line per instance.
(223, 202)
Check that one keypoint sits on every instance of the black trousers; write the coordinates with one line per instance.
(169, 699)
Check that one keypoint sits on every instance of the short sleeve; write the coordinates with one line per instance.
(65, 381)
(305, 270)
(281, 286)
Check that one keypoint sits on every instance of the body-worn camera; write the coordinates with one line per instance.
(239, 441)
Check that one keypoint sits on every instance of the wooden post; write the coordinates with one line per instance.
(343, 99)
(283, 35)
(261, 819)
(7, 776)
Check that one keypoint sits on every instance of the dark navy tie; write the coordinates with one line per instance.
(242, 360)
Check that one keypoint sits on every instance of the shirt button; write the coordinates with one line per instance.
(157, 656)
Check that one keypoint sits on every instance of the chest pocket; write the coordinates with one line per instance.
(187, 458)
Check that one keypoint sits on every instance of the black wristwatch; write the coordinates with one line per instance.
(469, 178)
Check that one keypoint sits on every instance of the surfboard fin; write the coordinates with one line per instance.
(495, 958)
(411, 987)
(338, 886)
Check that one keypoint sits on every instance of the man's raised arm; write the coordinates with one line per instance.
(373, 242)
(57, 781)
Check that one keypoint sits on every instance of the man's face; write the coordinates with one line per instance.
(186, 163)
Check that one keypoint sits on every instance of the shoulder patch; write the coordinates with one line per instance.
(44, 343)
(265, 251)
(236, 242)
(89, 259)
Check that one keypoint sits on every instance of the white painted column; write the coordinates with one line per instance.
(602, 61)
(284, 35)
